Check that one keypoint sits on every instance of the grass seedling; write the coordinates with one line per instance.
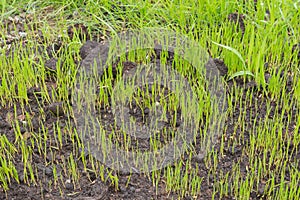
(256, 153)
(239, 73)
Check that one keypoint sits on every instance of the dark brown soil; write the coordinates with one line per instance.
(140, 187)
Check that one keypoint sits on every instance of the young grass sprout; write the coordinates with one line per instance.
(146, 100)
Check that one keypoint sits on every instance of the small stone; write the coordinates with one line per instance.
(122, 189)
(69, 186)
(22, 34)
(132, 189)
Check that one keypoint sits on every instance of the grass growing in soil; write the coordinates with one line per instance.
(257, 155)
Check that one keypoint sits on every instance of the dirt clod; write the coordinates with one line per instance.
(79, 29)
(51, 64)
(87, 47)
(238, 19)
(223, 69)
(56, 109)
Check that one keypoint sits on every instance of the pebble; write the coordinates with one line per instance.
(69, 184)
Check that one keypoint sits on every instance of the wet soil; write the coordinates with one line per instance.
(140, 186)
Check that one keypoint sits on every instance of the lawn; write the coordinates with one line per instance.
(149, 99)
